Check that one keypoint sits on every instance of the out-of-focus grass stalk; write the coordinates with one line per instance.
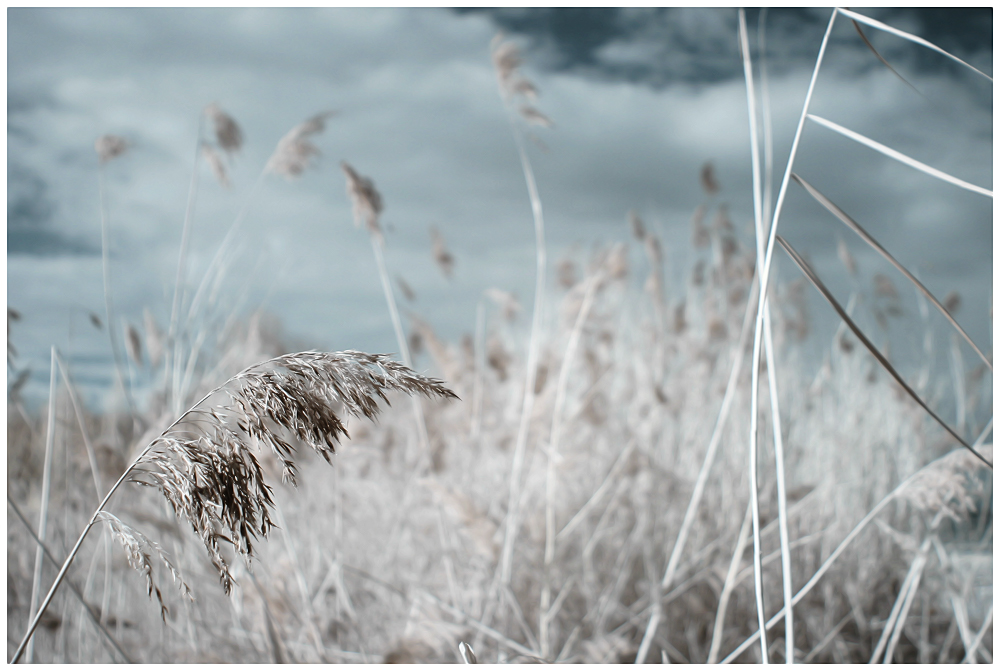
(510, 534)
(480, 369)
(829, 561)
(727, 588)
(91, 455)
(216, 269)
(958, 378)
(699, 488)
(900, 609)
(109, 308)
(43, 515)
(404, 350)
(977, 641)
(593, 284)
(175, 355)
(94, 617)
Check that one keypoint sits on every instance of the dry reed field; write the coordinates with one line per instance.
(618, 468)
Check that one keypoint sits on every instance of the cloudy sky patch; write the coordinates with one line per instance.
(640, 98)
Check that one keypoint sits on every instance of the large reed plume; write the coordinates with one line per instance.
(204, 463)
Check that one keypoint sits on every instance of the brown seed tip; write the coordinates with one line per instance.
(109, 147)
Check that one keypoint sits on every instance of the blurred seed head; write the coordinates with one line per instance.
(514, 85)
(885, 287)
(505, 301)
(442, 257)
(845, 257)
(407, 290)
(366, 199)
(109, 147)
(638, 228)
(295, 150)
(566, 273)
(708, 182)
(952, 302)
(700, 237)
(228, 134)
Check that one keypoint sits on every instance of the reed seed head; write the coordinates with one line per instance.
(205, 464)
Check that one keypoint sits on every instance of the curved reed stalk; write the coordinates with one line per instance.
(204, 464)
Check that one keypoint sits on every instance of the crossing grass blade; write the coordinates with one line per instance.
(871, 47)
(907, 36)
(812, 277)
(899, 156)
(864, 235)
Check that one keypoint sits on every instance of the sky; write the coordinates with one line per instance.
(640, 99)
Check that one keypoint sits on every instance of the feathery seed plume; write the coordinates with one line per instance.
(205, 465)
(513, 85)
(294, 152)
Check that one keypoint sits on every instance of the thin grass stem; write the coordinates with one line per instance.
(907, 36)
(43, 515)
(899, 156)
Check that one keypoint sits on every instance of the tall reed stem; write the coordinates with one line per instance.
(532, 363)
(173, 359)
(43, 515)
(109, 310)
(404, 351)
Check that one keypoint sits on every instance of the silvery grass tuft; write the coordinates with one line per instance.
(204, 463)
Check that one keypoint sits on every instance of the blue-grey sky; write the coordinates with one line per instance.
(640, 98)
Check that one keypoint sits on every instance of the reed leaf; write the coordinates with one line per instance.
(902, 158)
(907, 36)
(811, 275)
(873, 243)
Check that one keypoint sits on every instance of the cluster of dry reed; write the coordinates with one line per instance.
(592, 499)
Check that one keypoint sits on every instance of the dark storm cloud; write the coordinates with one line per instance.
(659, 46)
(30, 211)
